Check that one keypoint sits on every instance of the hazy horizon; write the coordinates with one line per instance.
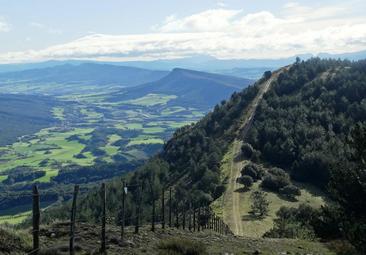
(40, 30)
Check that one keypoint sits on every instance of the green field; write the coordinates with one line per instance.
(53, 147)
(88, 124)
(47, 145)
(58, 112)
(152, 99)
(15, 219)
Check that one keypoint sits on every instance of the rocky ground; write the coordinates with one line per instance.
(55, 239)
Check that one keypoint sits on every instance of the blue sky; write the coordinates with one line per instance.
(37, 30)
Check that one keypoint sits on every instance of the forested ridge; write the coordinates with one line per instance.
(304, 125)
(303, 121)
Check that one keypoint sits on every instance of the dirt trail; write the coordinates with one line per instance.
(235, 221)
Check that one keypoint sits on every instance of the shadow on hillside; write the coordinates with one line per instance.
(251, 217)
(242, 190)
(313, 190)
(287, 198)
(239, 158)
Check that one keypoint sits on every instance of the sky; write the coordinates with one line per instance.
(118, 30)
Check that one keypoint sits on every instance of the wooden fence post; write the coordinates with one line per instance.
(215, 223)
(176, 218)
(123, 210)
(184, 216)
(36, 220)
(103, 236)
(190, 217)
(163, 210)
(170, 207)
(153, 213)
(72, 220)
(199, 219)
(220, 225)
(211, 220)
(137, 210)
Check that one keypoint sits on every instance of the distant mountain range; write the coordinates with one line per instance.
(192, 88)
(85, 73)
(247, 67)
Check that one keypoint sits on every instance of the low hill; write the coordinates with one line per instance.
(86, 73)
(24, 115)
(197, 89)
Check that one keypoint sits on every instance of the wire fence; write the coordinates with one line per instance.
(185, 217)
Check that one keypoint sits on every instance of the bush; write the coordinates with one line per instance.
(260, 203)
(292, 230)
(275, 179)
(246, 180)
(267, 75)
(247, 150)
(290, 191)
(256, 156)
(295, 223)
(180, 246)
(253, 170)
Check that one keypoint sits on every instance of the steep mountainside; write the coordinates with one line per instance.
(194, 88)
(303, 122)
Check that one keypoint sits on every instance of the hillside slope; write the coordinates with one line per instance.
(194, 88)
(24, 115)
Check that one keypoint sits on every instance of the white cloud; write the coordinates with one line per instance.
(4, 26)
(221, 4)
(223, 33)
(207, 21)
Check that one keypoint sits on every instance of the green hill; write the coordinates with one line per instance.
(24, 115)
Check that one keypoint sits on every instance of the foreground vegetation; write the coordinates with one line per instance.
(54, 240)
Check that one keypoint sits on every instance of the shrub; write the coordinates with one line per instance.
(275, 179)
(247, 150)
(295, 223)
(292, 230)
(256, 155)
(179, 246)
(260, 203)
(253, 170)
(290, 191)
(246, 180)
(267, 75)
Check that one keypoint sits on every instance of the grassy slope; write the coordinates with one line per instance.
(257, 227)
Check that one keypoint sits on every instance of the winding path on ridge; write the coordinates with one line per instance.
(234, 219)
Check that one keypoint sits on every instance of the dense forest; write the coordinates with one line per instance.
(303, 121)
